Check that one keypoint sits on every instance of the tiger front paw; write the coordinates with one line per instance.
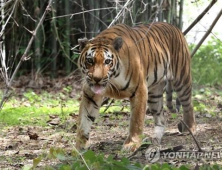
(131, 144)
(81, 141)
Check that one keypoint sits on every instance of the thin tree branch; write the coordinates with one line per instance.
(24, 56)
(120, 12)
(199, 148)
(86, 11)
(199, 17)
(207, 33)
(107, 107)
(84, 161)
(3, 27)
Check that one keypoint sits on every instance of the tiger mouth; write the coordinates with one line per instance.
(97, 88)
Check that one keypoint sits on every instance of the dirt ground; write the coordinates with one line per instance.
(19, 145)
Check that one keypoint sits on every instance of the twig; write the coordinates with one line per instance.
(199, 17)
(107, 107)
(105, 101)
(207, 33)
(120, 12)
(27, 14)
(81, 157)
(199, 148)
(23, 58)
(3, 27)
(86, 11)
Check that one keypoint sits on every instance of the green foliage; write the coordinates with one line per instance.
(198, 106)
(91, 160)
(205, 101)
(207, 64)
(174, 115)
(87, 160)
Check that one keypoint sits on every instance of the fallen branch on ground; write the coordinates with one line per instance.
(195, 140)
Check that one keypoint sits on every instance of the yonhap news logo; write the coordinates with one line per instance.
(153, 154)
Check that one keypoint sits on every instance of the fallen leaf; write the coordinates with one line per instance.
(33, 136)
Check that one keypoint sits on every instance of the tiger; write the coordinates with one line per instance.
(138, 63)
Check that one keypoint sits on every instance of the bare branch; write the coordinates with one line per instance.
(207, 33)
(120, 12)
(24, 56)
(3, 27)
(199, 148)
(78, 13)
(199, 17)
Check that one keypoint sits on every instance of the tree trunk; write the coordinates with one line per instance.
(91, 19)
(169, 11)
(160, 13)
(103, 15)
(38, 37)
(67, 38)
(96, 20)
(173, 12)
(149, 10)
(54, 41)
(181, 14)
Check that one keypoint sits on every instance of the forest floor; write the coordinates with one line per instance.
(27, 139)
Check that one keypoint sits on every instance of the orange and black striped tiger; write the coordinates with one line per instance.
(136, 63)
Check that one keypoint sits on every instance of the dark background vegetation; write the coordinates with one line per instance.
(51, 53)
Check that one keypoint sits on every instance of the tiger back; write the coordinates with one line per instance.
(136, 63)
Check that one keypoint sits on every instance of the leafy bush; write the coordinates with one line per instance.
(207, 64)
(89, 160)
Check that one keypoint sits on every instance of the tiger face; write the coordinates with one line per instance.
(99, 62)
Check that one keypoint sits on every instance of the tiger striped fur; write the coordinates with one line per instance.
(136, 63)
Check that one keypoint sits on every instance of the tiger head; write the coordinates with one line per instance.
(99, 61)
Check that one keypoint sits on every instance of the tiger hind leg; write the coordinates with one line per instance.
(184, 93)
(169, 98)
(155, 104)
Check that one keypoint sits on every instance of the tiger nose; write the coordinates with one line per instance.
(97, 79)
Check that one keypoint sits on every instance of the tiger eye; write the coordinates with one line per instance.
(89, 60)
(108, 61)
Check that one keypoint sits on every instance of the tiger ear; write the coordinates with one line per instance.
(117, 43)
(82, 42)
